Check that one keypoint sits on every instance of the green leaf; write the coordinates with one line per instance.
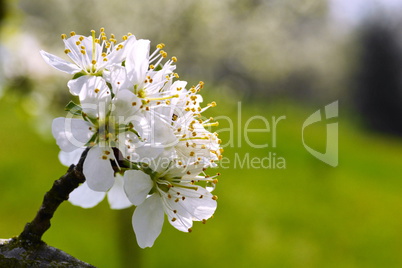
(93, 139)
(73, 108)
(77, 75)
(158, 68)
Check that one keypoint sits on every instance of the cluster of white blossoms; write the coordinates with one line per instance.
(148, 144)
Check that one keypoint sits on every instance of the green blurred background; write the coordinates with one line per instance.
(273, 58)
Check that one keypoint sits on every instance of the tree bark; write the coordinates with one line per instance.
(28, 249)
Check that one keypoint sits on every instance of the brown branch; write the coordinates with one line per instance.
(28, 250)
(59, 192)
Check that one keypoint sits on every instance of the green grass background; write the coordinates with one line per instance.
(307, 215)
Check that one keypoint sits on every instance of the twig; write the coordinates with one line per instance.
(59, 192)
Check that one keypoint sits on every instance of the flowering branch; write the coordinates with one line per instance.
(59, 192)
(149, 145)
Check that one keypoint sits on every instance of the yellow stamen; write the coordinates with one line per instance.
(215, 124)
(93, 47)
(160, 46)
(163, 98)
(163, 53)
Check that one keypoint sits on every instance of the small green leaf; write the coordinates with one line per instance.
(73, 108)
(158, 68)
(93, 139)
(77, 75)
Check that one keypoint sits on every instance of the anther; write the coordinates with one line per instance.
(212, 104)
(163, 53)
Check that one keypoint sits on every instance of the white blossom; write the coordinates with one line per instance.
(140, 124)
(172, 192)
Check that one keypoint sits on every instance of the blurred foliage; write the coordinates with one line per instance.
(255, 47)
(378, 81)
(307, 215)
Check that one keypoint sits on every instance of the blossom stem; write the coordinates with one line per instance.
(59, 192)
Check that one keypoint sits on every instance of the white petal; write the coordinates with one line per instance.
(75, 85)
(148, 221)
(84, 197)
(60, 64)
(117, 77)
(116, 196)
(83, 60)
(162, 162)
(98, 171)
(70, 133)
(117, 56)
(125, 105)
(199, 208)
(94, 96)
(162, 134)
(149, 154)
(166, 70)
(137, 61)
(137, 186)
(181, 220)
(70, 158)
